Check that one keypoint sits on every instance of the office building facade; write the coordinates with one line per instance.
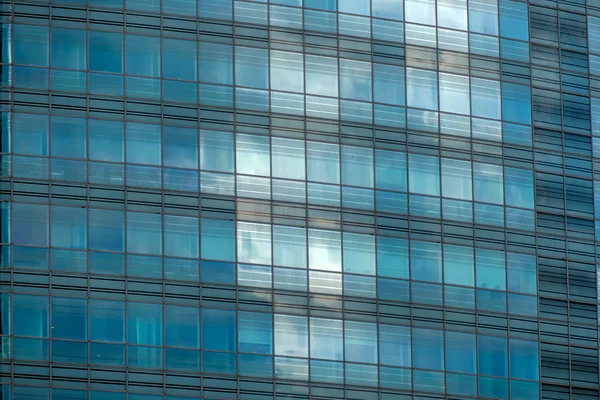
(287, 199)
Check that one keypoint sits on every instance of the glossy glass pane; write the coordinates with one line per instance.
(106, 51)
(69, 48)
(143, 55)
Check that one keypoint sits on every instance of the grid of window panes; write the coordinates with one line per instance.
(365, 199)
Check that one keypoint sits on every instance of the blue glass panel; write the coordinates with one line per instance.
(221, 363)
(69, 48)
(218, 239)
(145, 88)
(31, 45)
(29, 258)
(396, 378)
(107, 320)
(428, 381)
(488, 183)
(394, 345)
(514, 20)
(143, 55)
(69, 137)
(107, 354)
(107, 263)
(487, 214)
(179, 359)
(291, 368)
(392, 289)
(520, 390)
(327, 371)
(290, 279)
(422, 89)
(424, 174)
(516, 103)
(30, 134)
(426, 293)
(30, 224)
(461, 385)
(391, 202)
(320, 21)
(143, 143)
(524, 362)
(493, 388)
(426, 261)
(182, 326)
(491, 269)
(97, 395)
(287, 71)
(483, 17)
(360, 341)
(255, 332)
(493, 356)
(218, 329)
(424, 206)
(181, 236)
(70, 352)
(107, 230)
(107, 140)
(180, 147)
(251, 67)
(106, 51)
(144, 266)
(31, 393)
(69, 227)
(180, 179)
(289, 246)
(30, 315)
(253, 365)
(520, 304)
(387, 9)
(216, 63)
(291, 335)
(32, 78)
(392, 257)
(145, 357)
(107, 3)
(355, 80)
(144, 324)
(217, 9)
(488, 300)
(326, 339)
(328, 5)
(514, 50)
(522, 275)
(359, 286)
(31, 349)
(69, 81)
(428, 349)
(179, 59)
(216, 151)
(105, 84)
(458, 265)
(185, 7)
(518, 187)
(390, 170)
(460, 297)
(69, 318)
(361, 375)
(456, 179)
(144, 233)
(359, 253)
(181, 270)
